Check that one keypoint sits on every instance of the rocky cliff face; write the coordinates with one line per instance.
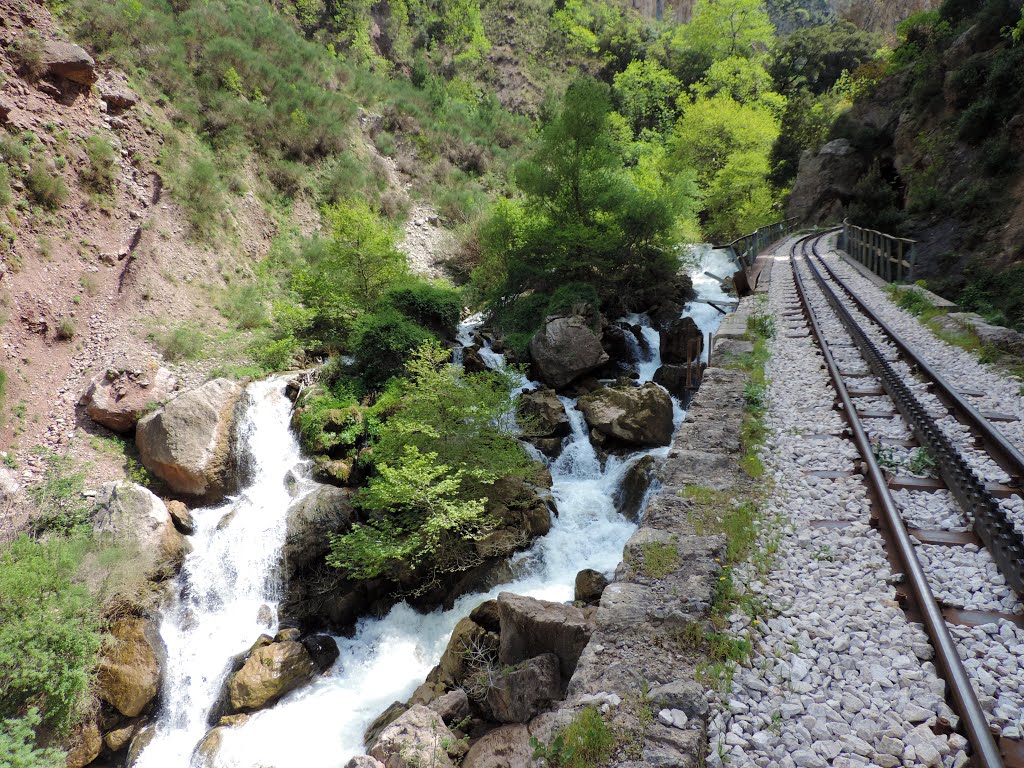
(932, 152)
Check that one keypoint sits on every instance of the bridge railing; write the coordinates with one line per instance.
(747, 248)
(891, 258)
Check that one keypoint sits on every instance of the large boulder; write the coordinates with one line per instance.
(629, 498)
(269, 673)
(455, 664)
(418, 738)
(132, 515)
(542, 414)
(118, 398)
(523, 511)
(531, 627)
(504, 747)
(681, 341)
(84, 743)
(189, 442)
(589, 586)
(565, 349)
(69, 61)
(325, 510)
(517, 695)
(825, 181)
(680, 380)
(130, 665)
(636, 415)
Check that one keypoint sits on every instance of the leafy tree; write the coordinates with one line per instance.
(805, 124)
(745, 80)
(646, 93)
(724, 28)
(712, 129)
(584, 218)
(49, 634)
(416, 515)
(816, 58)
(382, 341)
(740, 198)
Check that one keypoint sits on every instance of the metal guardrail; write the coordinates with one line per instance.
(891, 258)
(747, 248)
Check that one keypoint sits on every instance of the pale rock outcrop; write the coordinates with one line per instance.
(131, 514)
(418, 738)
(636, 415)
(565, 349)
(270, 672)
(189, 442)
(69, 61)
(130, 665)
(364, 761)
(118, 398)
(531, 627)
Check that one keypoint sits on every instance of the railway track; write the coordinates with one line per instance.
(943, 480)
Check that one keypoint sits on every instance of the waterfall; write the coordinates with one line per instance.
(228, 586)
(229, 576)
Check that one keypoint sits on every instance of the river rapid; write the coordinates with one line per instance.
(228, 592)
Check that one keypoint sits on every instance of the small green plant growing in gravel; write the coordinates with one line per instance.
(660, 558)
(910, 300)
(183, 342)
(761, 324)
(755, 395)
(886, 457)
(100, 170)
(45, 186)
(66, 329)
(921, 462)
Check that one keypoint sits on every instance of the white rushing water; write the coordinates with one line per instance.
(227, 579)
(229, 576)
(718, 262)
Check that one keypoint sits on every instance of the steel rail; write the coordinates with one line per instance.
(987, 517)
(973, 718)
(1005, 454)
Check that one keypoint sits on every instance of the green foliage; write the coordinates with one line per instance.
(660, 558)
(183, 342)
(416, 515)
(49, 633)
(646, 93)
(724, 28)
(816, 58)
(101, 157)
(381, 341)
(199, 188)
(45, 185)
(27, 55)
(330, 421)
(351, 268)
(60, 505)
(18, 744)
(588, 739)
(432, 304)
(465, 418)
(585, 218)
(728, 144)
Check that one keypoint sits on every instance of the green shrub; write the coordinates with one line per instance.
(49, 634)
(102, 164)
(60, 505)
(3, 395)
(584, 743)
(184, 342)
(66, 329)
(381, 343)
(246, 307)
(27, 54)
(274, 354)
(45, 186)
(18, 744)
(201, 192)
(430, 303)
(330, 422)
(5, 186)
